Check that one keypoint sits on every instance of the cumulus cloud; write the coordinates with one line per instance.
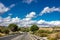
(3, 8)
(57, 23)
(20, 22)
(30, 16)
(15, 20)
(27, 21)
(29, 1)
(49, 10)
(8, 20)
(1, 19)
(41, 21)
(48, 23)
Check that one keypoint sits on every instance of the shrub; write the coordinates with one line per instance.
(44, 31)
(34, 28)
(43, 35)
(52, 38)
(58, 35)
(6, 31)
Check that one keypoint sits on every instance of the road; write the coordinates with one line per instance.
(24, 36)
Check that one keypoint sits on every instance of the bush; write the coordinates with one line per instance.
(58, 35)
(52, 38)
(43, 35)
(6, 31)
(38, 34)
(44, 31)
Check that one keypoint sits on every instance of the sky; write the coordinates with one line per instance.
(28, 12)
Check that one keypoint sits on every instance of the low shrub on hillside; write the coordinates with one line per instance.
(44, 31)
(6, 31)
(52, 38)
(43, 35)
(58, 35)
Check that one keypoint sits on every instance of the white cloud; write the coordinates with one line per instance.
(29, 1)
(41, 21)
(49, 10)
(27, 21)
(48, 23)
(7, 19)
(57, 23)
(12, 5)
(15, 20)
(20, 22)
(3, 8)
(30, 16)
(1, 19)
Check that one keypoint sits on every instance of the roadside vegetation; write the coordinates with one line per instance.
(51, 34)
(11, 29)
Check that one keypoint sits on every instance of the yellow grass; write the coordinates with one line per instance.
(49, 29)
(1, 34)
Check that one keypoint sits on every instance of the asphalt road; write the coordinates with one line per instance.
(8, 37)
(24, 36)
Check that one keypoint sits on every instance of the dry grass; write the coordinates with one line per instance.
(1, 34)
(49, 29)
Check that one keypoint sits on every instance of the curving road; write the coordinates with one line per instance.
(24, 36)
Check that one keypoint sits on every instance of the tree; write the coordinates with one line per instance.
(13, 27)
(0, 30)
(34, 28)
(19, 29)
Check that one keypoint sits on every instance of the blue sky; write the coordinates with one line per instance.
(48, 10)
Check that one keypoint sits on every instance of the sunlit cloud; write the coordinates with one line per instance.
(49, 10)
(4, 9)
(29, 1)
